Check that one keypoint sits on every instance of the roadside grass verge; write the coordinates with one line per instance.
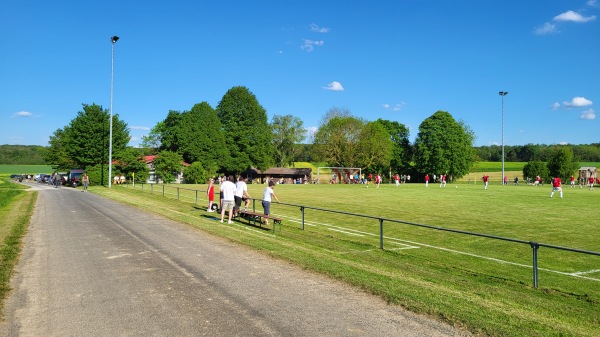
(479, 284)
(16, 208)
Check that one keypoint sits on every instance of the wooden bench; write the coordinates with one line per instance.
(254, 216)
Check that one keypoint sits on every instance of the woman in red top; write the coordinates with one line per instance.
(210, 193)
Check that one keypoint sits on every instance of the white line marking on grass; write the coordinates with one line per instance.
(391, 239)
(345, 232)
(586, 272)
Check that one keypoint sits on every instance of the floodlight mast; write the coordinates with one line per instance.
(113, 40)
(503, 93)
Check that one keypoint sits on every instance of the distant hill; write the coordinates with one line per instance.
(22, 154)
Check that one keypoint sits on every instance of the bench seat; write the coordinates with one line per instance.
(253, 217)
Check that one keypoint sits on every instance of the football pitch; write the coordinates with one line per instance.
(482, 283)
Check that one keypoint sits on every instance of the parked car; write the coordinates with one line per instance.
(74, 177)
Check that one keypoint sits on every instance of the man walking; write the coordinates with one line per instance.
(228, 190)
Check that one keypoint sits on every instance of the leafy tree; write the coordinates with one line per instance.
(535, 168)
(200, 136)
(85, 141)
(247, 132)
(152, 142)
(196, 174)
(375, 147)
(57, 155)
(402, 150)
(168, 131)
(562, 164)
(287, 133)
(130, 161)
(22, 154)
(167, 164)
(336, 141)
(444, 145)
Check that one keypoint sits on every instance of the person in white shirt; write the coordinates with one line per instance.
(266, 200)
(241, 194)
(228, 190)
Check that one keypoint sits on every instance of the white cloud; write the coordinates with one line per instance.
(573, 17)
(555, 106)
(592, 3)
(309, 45)
(334, 86)
(588, 114)
(547, 28)
(23, 114)
(143, 128)
(563, 143)
(578, 102)
(315, 28)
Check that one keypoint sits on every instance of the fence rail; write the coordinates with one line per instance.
(533, 244)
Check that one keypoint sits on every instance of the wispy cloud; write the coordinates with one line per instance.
(143, 128)
(315, 28)
(23, 114)
(309, 45)
(588, 114)
(555, 106)
(546, 28)
(568, 16)
(592, 3)
(334, 86)
(395, 107)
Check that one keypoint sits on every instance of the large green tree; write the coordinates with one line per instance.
(336, 141)
(535, 168)
(288, 132)
(200, 136)
(444, 146)
(562, 163)
(402, 150)
(247, 132)
(85, 141)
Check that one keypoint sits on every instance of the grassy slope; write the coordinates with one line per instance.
(453, 277)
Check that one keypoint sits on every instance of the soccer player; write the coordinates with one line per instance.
(556, 186)
(572, 182)
(485, 179)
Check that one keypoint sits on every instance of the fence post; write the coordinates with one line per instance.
(163, 188)
(302, 210)
(196, 197)
(381, 233)
(534, 247)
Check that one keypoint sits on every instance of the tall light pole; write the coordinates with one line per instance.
(503, 93)
(113, 40)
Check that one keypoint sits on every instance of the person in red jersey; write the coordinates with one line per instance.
(556, 186)
(485, 179)
(427, 180)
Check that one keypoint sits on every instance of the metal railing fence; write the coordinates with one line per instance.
(185, 193)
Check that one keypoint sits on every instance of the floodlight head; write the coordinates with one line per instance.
(503, 93)
(114, 39)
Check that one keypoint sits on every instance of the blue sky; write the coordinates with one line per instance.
(397, 60)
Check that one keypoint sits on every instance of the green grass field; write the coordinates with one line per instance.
(25, 169)
(481, 284)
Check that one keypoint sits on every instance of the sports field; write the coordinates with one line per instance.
(482, 284)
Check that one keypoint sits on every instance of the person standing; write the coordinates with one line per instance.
(266, 200)
(572, 181)
(241, 194)
(556, 186)
(85, 180)
(591, 182)
(378, 179)
(426, 180)
(397, 179)
(442, 180)
(228, 200)
(485, 179)
(210, 193)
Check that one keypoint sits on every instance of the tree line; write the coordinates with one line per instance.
(236, 135)
(533, 152)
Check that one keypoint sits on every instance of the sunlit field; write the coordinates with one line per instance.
(482, 283)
